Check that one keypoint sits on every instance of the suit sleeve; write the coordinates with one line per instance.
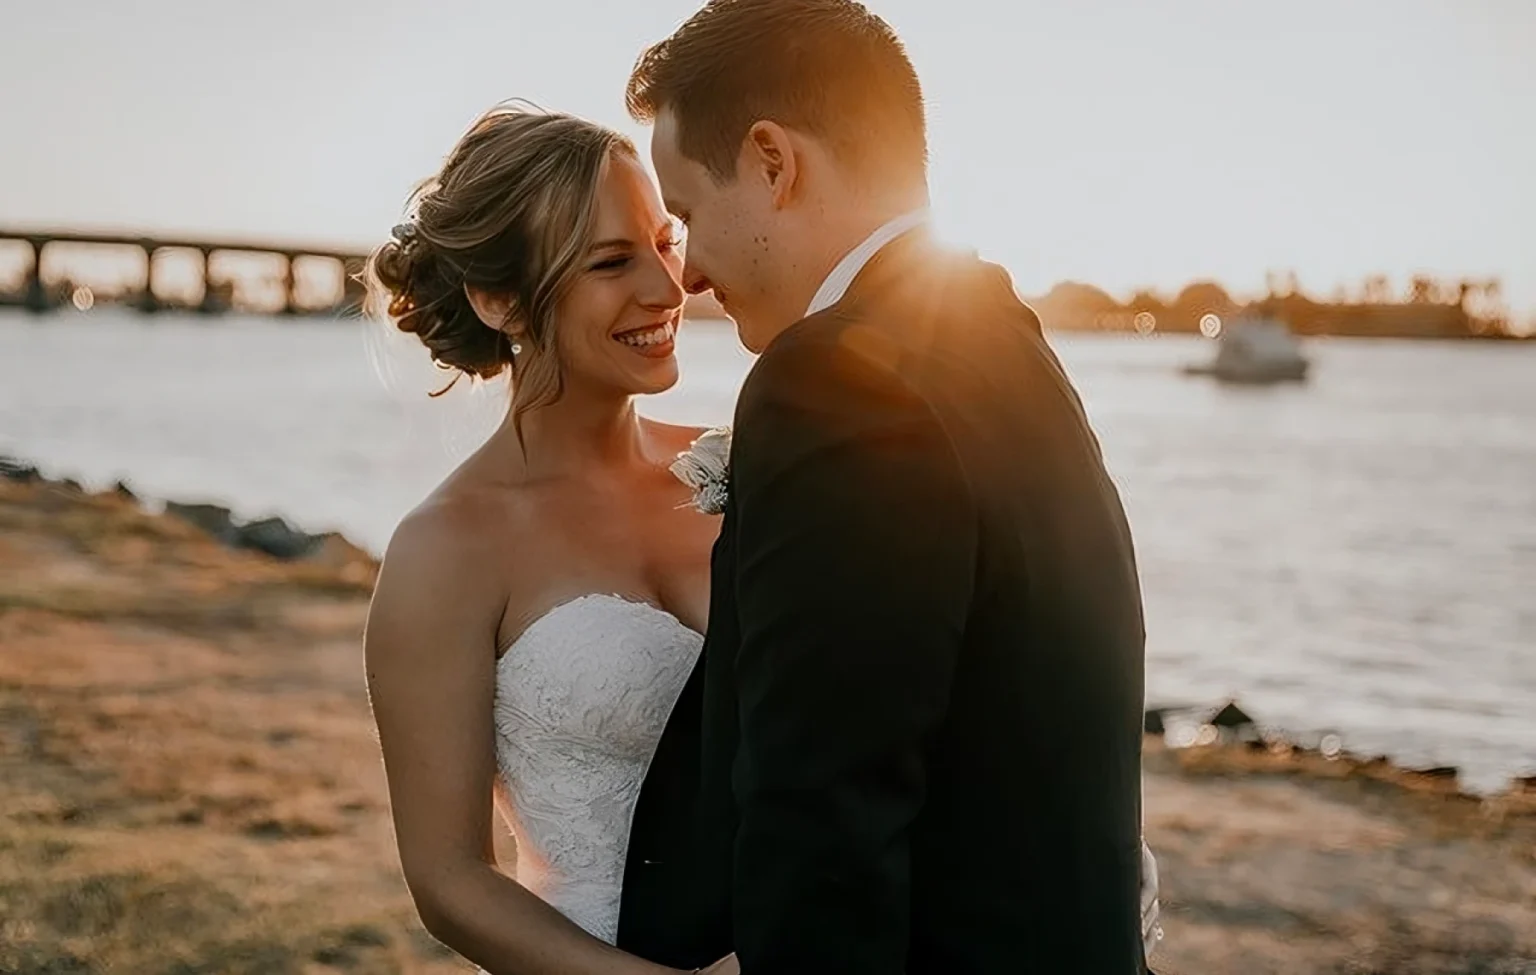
(856, 553)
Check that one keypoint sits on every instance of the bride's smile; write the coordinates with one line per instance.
(651, 341)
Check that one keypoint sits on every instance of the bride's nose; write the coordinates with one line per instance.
(660, 286)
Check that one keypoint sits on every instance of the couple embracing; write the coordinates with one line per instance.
(855, 688)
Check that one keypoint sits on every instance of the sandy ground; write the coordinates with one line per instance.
(189, 783)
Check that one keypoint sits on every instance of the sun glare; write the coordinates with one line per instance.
(942, 227)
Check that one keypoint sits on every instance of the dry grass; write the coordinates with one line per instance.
(188, 777)
(189, 784)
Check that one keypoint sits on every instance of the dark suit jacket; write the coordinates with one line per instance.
(913, 743)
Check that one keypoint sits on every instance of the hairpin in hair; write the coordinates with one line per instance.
(404, 232)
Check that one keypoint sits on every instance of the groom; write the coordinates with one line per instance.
(913, 744)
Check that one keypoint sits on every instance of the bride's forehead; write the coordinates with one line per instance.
(626, 175)
(628, 196)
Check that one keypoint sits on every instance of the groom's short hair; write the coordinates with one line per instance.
(829, 68)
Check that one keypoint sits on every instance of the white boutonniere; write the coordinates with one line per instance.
(705, 467)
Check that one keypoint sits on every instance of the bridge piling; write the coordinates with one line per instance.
(37, 296)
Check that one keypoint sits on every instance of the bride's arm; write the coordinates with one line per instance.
(431, 672)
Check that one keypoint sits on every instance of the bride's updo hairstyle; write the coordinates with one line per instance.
(510, 213)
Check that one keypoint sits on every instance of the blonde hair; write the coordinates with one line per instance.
(511, 213)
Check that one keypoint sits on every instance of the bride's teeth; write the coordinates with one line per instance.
(650, 336)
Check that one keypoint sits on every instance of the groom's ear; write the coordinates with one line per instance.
(770, 152)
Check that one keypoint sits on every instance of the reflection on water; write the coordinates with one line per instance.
(1358, 553)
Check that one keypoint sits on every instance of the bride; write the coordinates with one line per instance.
(537, 616)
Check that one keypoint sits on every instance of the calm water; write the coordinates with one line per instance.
(1358, 554)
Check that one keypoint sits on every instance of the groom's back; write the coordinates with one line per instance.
(1024, 851)
(1026, 854)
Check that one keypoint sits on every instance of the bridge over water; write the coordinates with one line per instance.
(36, 296)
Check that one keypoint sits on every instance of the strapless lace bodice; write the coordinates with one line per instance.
(581, 700)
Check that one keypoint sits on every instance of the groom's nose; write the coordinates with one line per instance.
(695, 282)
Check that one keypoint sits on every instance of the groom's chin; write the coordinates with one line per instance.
(758, 334)
(746, 340)
(751, 332)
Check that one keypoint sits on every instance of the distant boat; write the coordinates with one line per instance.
(1255, 350)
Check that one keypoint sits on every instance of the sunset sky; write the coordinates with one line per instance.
(1123, 143)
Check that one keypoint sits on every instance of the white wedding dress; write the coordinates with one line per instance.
(582, 697)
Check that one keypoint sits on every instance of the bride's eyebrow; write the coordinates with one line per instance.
(614, 243)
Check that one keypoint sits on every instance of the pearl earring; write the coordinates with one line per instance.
(517, 348)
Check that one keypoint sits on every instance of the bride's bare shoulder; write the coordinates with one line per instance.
(469, 520)
(470, 551)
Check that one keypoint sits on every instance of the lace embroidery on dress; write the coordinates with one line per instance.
(582, 697)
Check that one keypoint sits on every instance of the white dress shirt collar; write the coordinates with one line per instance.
(837, 283)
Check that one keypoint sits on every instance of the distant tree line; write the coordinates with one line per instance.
(1430, 307)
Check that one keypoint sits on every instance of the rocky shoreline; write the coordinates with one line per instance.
(272, 536)
(189, 781)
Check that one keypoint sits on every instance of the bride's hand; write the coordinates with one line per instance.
(725, 966)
